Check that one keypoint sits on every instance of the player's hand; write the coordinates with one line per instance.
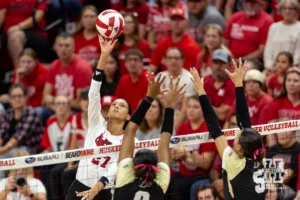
(174, 93)
(87, 195)
(154, 84)
(237, 77)
(107, 45)
(197, 81)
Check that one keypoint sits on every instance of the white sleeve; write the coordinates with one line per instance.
(268, 51)
(94, 107)
(36, 186)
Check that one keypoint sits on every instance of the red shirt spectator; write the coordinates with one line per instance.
(222, 95)
(87, 49)
(133, 92)
(245, 34)
(186, 129)
(283, 108)
(143, 46)
(34, 82)
(67, 79)
(274, 84)
(187, 45)
(18, 11)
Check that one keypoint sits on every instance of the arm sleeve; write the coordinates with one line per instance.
(125, 173)
(232, 164)
(163, 176)
(242, 112)
(210, 117)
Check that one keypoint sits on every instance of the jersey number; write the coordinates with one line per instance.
(141, 195)
(259, 179)
(103, 160)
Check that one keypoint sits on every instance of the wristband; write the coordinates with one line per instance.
(104, 180)
(168, 123)
(98, 75)
(140, 112)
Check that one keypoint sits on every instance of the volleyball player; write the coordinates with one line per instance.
(243, 175)
(146, 175)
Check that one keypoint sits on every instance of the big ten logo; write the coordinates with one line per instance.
(273, 170)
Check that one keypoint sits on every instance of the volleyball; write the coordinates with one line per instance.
(110, 23)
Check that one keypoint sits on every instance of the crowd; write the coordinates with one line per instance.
(48, 74)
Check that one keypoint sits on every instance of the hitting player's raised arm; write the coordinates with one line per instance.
(209, 114)
(242, 111)
(127, 147)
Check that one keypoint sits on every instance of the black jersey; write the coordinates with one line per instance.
(128, 187)
(243, 178)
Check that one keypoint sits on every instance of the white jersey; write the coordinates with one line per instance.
(91, 170)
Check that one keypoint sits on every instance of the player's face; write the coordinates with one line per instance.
(27, 64)
(236, 146)
(292, 83)
(218, 68)
(282, 64)
(61, 105)
(196, 6)
(272, 192)
(212, 39)
(119, 110)
(153, 112)
(286, 138)
(110, 67)
(205, 195)
(64, 47)
(88, 19)
(251, 7)
(17, 98)
(174, 60)
(252, 88)
(134, 64)
(289, 12)
(194, 111)
(84, 102)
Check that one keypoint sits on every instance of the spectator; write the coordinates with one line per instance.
(112, 76)
(174, 60)
(135, 80)
(138, 6)
(287, 149)
(69, 74)
(218, 86)
(159, 23)
(258, 101)
(213, 35)
(17, 20)
(178, 38)
(86, 38)
(206, 192)
(20, 126)
(10, 189)
(33, 75)
(276, 12)
(201, 13)
(151, 125)
(284, 61)
(194, 167)
(56, 138)
(246, 32)
(284, 35)
(130, 39)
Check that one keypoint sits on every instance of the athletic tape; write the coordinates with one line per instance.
(112, 150)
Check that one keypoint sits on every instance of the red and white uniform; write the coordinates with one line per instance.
(67, 79)
(56, 137)
(245, 34)
(274, 84)
(283, 108)
(87, 49)
(79, 129)
(90, 170)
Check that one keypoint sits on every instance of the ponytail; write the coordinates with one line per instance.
(259, 154)
(146, 172)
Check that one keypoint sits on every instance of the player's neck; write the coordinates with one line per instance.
(195, 124)
(115, 127)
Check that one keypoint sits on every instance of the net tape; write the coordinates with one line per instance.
(112, 150)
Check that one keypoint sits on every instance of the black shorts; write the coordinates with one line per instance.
(104, 194)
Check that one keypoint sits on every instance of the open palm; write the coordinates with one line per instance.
(237, 77)
(107, 45)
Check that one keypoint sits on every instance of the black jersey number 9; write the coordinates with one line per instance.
(259, 179)
(141, 195)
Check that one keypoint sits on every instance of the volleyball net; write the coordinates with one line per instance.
(44, 163)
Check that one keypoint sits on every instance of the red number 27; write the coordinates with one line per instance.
(103, 160)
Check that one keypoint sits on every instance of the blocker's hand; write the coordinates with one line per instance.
(87, 195)
(154, 84)
(237, 77)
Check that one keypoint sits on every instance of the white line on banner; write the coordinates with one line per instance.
(112, 150)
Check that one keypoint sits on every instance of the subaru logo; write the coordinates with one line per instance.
(175, 140)
(30, 160)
